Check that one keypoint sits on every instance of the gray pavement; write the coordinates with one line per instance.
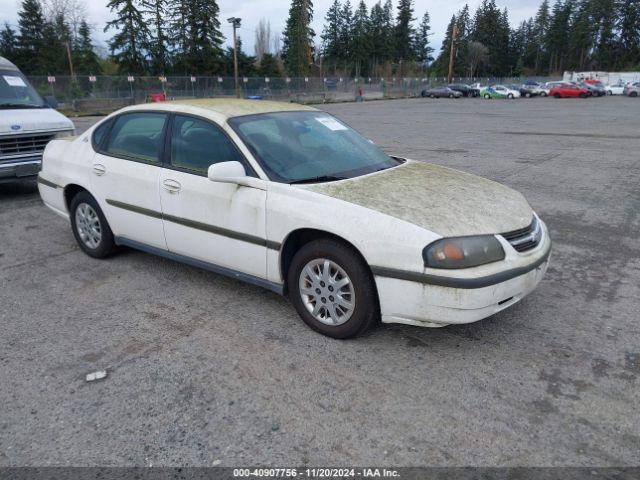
(203, 368)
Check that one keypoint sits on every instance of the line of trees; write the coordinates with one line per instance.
(184, 37)
(576, 35)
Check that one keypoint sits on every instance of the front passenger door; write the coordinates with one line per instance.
(218, 223)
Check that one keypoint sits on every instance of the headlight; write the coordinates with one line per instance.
(65, 134)
(463, 252)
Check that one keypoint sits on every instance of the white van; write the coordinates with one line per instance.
(27, 124)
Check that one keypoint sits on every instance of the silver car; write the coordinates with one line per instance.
(632, 89)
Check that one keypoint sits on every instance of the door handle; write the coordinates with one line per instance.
(99, 169)
(172, 186)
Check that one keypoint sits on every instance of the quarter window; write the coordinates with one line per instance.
(197, 144)
(137, 136)
(99, 133)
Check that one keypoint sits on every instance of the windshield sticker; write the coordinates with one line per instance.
(331, 123)
(14, 81)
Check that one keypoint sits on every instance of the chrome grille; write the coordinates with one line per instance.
(527, 238)
(19, 146)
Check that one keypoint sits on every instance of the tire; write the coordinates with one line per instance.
(584, 95)
(558, 96)
(609, 93)
(543, 94)
(450, 96)
(432, 96)
(633, 94)
(487, 96)
(97, 244)
(314, 257)
(528, 95)
(510, 96)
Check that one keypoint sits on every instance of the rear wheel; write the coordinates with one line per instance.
(487, 96)
(633, 94)
(557, 95)
(543, 94)
(583, 95)
(528, 95)
(332, 289)
(90, 227)
(510, 96)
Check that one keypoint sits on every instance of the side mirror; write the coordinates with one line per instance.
(233, 172)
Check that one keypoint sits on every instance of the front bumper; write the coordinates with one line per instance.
(437, 302)
(18, 169)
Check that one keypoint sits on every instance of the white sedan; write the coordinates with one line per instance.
(293, 200)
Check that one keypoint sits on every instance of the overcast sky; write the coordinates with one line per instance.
(251, 11)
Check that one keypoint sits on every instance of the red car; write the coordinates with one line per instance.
(569, 90)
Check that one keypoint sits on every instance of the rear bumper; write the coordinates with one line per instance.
(437, 302)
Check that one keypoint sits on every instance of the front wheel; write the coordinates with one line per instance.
(543, 94)
(332, 289)
(557, 95)
(487, 96)
(510, 96)
(90, 227)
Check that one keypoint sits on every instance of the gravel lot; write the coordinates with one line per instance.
(202, 368)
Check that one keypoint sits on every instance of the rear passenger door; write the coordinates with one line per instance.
(218, 223)
(125, 176)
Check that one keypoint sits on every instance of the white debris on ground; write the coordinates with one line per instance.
(94, 376)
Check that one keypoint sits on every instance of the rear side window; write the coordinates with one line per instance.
(137, 136)
(197, 144)
(99, 133)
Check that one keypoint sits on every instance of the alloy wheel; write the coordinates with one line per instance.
(88, 226)
(327, 292)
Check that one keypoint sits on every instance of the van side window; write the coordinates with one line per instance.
(197, 144)
(137, 136)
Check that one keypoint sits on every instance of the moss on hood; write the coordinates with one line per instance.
(445, 201)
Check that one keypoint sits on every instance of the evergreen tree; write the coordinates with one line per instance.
(297, 50)
(331, 35)
(85, 59)
(346, 34)
(156, 10)
(361, 42)
(8, 43)
(540, 31)
(605, 55)
(31, 24)
(629, 26)
(196, 37)
(405, 32)
(269, 66)
(441, 66)
(423, 48)
(581, 37)
(558, 35)
(390, 34)
(129, 44)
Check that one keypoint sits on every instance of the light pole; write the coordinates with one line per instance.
(235, 22)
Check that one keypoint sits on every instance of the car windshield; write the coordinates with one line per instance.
(16, 92)
(301, 147)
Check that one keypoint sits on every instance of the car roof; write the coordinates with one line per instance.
(223, 107)
(7, 65)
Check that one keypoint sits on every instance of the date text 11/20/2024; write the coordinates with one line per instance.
(316, 473)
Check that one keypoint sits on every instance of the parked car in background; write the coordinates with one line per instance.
(632, 90)
(465, 90)
(533, 89)
(441, 92)
(595, 88)
(616, 89)
(238, 187)
(499, 91)
(27, 124)
(569, 90)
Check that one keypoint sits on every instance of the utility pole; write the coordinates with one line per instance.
(452, 57)
(235, 21)
(73, 75)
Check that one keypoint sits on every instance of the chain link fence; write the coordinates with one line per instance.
(102, 94)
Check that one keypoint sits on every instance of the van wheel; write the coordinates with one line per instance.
(90, 227)
(332, 289)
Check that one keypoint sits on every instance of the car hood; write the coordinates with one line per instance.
(21, 121)
(445, 201)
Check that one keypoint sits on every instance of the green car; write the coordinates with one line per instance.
(499, 92)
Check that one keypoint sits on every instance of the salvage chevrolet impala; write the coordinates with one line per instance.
(291, 199)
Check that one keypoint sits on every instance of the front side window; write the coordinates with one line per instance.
(137, 136)
(295, 147)
(197, 144)
(16, 92)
